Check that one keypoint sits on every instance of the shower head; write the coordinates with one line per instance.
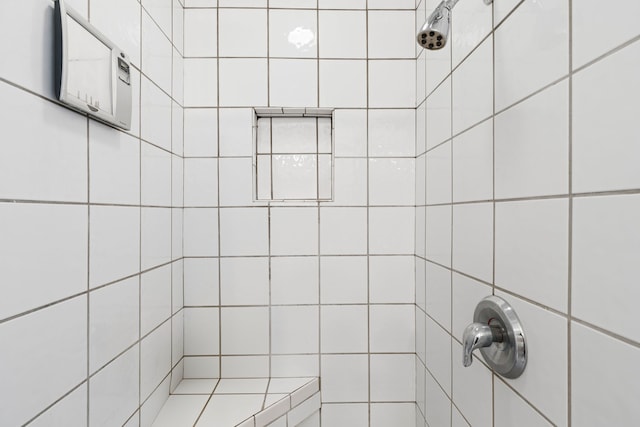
(434, 33)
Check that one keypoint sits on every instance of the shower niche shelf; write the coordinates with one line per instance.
(293, 154)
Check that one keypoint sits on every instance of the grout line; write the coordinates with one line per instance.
(570, 216)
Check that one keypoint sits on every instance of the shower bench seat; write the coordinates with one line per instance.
(243, 402)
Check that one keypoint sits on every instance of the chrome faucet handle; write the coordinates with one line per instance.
(498, 333)
(478, 335)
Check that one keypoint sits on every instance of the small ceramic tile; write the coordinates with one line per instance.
(242, 386)
(402, 93)
(200, 32)
(294, 329)
(292, 33)
(294, 280)
(243, 82)
(193, 386)
(392, 377)
(345, 378)
(342, 34)
(344, 329)
(343, 279)
(245, 330)
(341, 84)
(237, 27)
(244, 281)
(294, 231)
(180, 411)
(392, 328)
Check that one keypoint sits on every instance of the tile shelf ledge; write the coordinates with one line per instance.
(246, 402)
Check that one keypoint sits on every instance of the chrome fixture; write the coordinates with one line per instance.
(434, 33)
(498, 334)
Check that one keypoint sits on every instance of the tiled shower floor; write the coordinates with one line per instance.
(239, 402)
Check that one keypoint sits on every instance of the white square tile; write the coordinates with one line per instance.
(401, 94)
(392, 377)
(344, 329)
(391, 279)
(244, 231)
(438, 63)
(438, 111)
(47, 161)
(292, 135)
(606, 243)
(438, 354)
(236, 181)
(294, 330)
(438, 294)
(384, 414)
(345, 378)
(522, 145)
(502, 9)
(243, 82)
(392, 133)
(342, 4)
(178, 25)
(421, 128)
(473, 240)
(353, 414)
(512, 409)
(392, 328)
(200, 132)
(350, 178)
(177, 347)
(473, 164)
(293, 82)
(201, 367)
(155, 176)
(160, 11)
(585, 47)
(295, 366)
(236, 132)
(245, 366)
(59, 335)
(113, 151)
(388, 33)
(157, 54)
(391, 230)
(201, 182)
(350, 133)
(177, 128)
(114, 243)
(603, 148)
(201, 283)
(70, 411)
(343, 280)
(200, 232)
(342, 84)
(343, 231)
(391, 4)
(155, 359)
(294, 280)
(200, 82)
(438, 174)
(529, 234)
(392, 182)
(438, 405)
(117, 384)
(201, 331)
(55, 236)
(156, 237)
(528, 55)
(113, 319)
(245, 330)
(547, 363)
(177, 186)
(293, 33)
(294, 177)
(201, 32)
(244, 281)
(473, 21)
(438, 228)
(155, 298)
(342, 34)
(472, 99)
(590, 405)
(243, 32)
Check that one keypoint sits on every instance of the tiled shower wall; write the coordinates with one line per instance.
(90, 226)
(303, 288)
(527, 188)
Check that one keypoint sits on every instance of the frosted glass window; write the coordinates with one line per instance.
(89, 68)
(294, 158)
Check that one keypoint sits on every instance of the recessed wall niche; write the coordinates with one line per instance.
(293, 154)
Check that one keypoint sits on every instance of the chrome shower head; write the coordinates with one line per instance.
(434, 33)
